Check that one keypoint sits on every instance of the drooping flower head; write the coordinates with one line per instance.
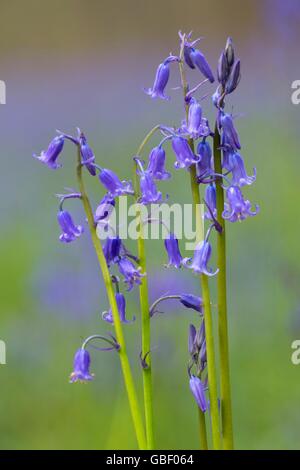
(81, 368)
(132, 275)
(87, 154)
(113, 184)
(149, 191)
(183, 152)
(192, 301)
(201, 259)
(121, 303)
(236, 207)
(229, 130)
(172, 248)
(161, 79)
(194, 118)
(239, 175)
(204, 165)
(112, 249)
(156, 164)
(197, 389)
(105, 208)
(211, 202)
(49, 157)
(69, 230)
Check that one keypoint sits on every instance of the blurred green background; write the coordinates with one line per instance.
(84, 63)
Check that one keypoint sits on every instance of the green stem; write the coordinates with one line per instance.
(146, 340)
(202, 430)
(145, 312)
(226, 410)
(211, 364)
(128, 379)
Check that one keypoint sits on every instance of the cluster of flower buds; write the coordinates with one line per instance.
(198, 359)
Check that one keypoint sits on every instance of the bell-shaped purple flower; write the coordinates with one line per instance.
(81, 368)
(229, 130)
(201, 259)
(234, 78)
(87, 154)
(156, 164)
(105, 208)
(187, 56)
(211, 202)
(204, 165)
(192, 301)
(239, 175)
(149, 191)
(121, 303)
(69, 229)
(161, 79)
(113, 184)
(49, 157)
(197, 389)
(132, 275)
(194, 118)
(183, 152)
(201, 63)
(172, 248)
(112, 250)
(236, 207)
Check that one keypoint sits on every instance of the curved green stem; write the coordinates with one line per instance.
(226, 410)
(128, 379)
(202, 430)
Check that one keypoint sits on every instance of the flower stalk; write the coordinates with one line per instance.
(125, 365)
(211, 365)
(226, 411)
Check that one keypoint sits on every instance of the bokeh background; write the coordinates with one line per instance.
(84, 63)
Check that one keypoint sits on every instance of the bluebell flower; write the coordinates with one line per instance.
(183, 152)
(132, 275)
(121, 303)
(239, 175)
(192, 301)
(194, 118)
(149, 191)
(69, 229)
(211, 201)
(105, 208)
(199, 60)
(204, 164)
(49, 157)
(187, 56)
(234, 78)
(236, 207)
(113, 184)
(161, 79)
(173, 251)
(201, 258)
(229, 130)
(112, 249)
(156, 164)
(223, 69)
(197, 389)
(81, 368)
(87, 154)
